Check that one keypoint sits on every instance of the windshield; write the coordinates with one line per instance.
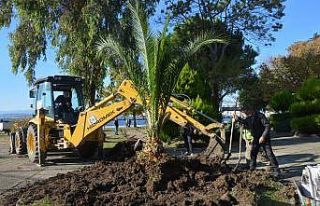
(72, 95)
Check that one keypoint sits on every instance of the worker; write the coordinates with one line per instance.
(259, 127)
(116, 126)
(187, 137)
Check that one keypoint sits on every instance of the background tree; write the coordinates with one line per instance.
(256, 19)
(72, 28)
(291, 71)
(154, 66)
(217, 68)
(241, 21)
(250, 95)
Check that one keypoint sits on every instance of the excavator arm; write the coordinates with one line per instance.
(216, 145)
(95, 117)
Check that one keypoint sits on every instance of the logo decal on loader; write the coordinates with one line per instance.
(92, 120)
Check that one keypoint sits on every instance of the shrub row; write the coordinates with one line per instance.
(310, 90)
(304, 108)
(282, 101)
(309, 124)
(281, 122)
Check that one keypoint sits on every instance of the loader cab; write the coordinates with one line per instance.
(61, 96)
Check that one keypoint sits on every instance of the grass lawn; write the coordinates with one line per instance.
(124, 134)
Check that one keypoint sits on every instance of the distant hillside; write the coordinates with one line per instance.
(5, 115)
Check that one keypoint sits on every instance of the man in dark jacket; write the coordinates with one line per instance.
(259, 126)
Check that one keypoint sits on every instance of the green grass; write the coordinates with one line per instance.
(43, 202)
(3, 135)
(272, 197)
(113, 139)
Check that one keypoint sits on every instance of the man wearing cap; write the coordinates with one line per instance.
(259, 127)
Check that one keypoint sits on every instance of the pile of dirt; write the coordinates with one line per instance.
(172, 182)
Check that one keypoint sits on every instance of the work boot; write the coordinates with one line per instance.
(252, 168)
(252, 165)
(277, 173)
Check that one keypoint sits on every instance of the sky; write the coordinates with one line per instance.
(300, 23)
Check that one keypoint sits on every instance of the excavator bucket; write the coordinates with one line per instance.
(216, 147)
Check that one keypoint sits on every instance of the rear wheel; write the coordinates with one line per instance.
(33, 144)
(88, 149)
(20, 141)
(12, 143)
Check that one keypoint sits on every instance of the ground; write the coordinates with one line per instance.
(293, 154)
(17, 171)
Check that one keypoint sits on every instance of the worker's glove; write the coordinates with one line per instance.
(262, 140)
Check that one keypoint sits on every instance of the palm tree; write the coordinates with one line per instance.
(154, 67)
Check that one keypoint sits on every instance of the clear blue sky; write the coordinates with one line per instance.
(300, 23)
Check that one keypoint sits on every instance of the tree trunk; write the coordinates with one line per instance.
(92, 94)
(134, 118)
(216, 100)
(153, 147)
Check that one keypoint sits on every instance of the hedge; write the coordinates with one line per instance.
(281, 122)
(281, 101)
(308, 124)
(304, 108)
(310, 90)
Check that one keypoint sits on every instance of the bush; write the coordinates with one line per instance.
(307, 110)
(281, 101)
(169, 131)
(281, 122)
(206, 108)
(308, 124)
(304, 108)
(310, 90)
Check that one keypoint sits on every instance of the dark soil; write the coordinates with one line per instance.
(121, 180)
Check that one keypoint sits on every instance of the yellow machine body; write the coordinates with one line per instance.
(90, 122)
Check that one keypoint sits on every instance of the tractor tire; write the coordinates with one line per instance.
(33, 144)
(20, 143)
(88, 149)
(12, 139)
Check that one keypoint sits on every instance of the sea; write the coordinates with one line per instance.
(13, 115)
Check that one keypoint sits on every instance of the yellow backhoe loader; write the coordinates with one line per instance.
(61, 122)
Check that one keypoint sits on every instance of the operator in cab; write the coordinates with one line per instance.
(259, 127)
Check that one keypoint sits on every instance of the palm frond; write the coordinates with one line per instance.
(199, 42)
(111, 48)
(143, 37)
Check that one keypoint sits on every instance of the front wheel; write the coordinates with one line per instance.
(33, 144)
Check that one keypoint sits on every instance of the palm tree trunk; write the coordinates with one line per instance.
(153, 147)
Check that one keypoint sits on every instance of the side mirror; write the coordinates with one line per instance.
(32, 94)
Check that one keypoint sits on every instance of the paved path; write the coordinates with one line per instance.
(293, 154)
(16, 170)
